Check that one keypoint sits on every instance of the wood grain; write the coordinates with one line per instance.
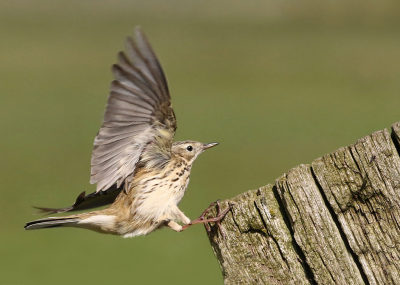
(335, 221)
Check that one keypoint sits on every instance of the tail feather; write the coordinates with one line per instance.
(52, 223)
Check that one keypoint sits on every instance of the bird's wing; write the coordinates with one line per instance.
(138, 113)
(86, 202)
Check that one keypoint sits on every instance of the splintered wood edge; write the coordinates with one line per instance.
(299, 227)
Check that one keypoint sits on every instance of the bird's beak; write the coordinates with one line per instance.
(208, 145)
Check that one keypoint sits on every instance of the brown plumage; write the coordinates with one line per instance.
(136, 165)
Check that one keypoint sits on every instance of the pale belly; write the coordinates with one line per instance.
(157, 199)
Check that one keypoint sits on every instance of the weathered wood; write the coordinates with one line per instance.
(334, 222)
(315, 230)
(360, 185)
(258, 247)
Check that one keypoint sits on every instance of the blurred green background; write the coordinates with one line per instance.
(276, 83)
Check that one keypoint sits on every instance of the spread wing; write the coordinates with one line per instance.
(138, 113)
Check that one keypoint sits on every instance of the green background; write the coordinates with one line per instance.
(276, 83)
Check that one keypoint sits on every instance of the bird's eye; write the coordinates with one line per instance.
(189, 148)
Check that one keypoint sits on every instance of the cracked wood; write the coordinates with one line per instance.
(335, 221)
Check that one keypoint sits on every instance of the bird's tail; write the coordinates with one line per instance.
(53, 222)
(95, 221)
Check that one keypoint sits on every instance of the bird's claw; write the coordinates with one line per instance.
(218, 218)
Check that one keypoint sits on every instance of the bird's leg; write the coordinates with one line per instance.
(201, 218)
(175, 226)
(179, 216)
(217, 219)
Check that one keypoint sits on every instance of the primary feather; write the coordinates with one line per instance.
(138, 114)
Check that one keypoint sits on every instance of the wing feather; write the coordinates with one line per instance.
(138, 115)
(133, 101)
(114, 142)
(93, 200)
(118, 87)
(105, 154)
(130, 81)
(151, 58)
(127, 67)
(135, 56)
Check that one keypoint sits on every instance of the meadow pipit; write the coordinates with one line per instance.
(137, 167)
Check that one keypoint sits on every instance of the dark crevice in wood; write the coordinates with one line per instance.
(359, 167)
(302, 257)
(358, 171)
(272, 236)
(395, 140)
(337, 223)
(235, 222)
(358, 195)
(330, 273)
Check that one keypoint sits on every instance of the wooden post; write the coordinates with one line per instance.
(334, 221)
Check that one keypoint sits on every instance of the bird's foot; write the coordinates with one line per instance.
(217, 219)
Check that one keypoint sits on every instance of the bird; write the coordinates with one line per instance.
(139, 171)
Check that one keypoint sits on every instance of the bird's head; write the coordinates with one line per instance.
(189, 150)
